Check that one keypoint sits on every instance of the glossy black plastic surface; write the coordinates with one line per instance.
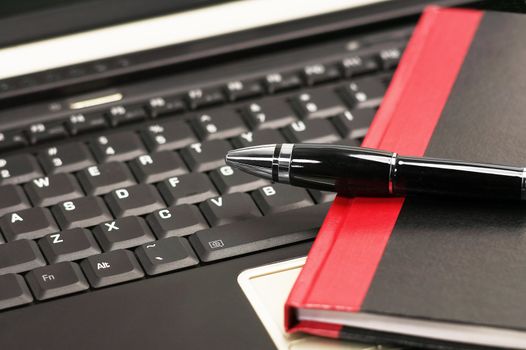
(351, 171)
(355, 171)
(455, 178)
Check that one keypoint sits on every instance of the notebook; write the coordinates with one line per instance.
(436, 273)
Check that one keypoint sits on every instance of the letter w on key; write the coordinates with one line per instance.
(41, 182)
(111, 226)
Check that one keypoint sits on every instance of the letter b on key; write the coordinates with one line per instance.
(269, 191)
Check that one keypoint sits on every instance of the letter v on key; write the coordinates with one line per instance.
(217, 201)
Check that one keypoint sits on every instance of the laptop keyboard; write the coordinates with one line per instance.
(155, 196)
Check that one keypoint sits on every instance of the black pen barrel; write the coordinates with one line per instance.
(351, 171)
(355, 171)
(455, 178)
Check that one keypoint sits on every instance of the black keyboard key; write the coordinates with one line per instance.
(311, 131)
(68, 157)
(12, 198)
(134, 200)
(270, 113)
(179, 220)
(53, 189)
(230, 180)
(69, 245)
(29, 223)
(206, 155)
(357, 65)
(258, 233)
(82, 123)
(229, 208)
(399, 34)
(20, 256)
(12, 139)
(81, 212)
(121, 146)
(319, 103)
(13, 291)
(189, 188)
(276, 82)
(322, 196)
(165, 255)
(319, 73)
(168, 135)
(198, 98)
(160, 106)
(104, 178)
(41, 132)
(354, 124)
(18, 169)
(363, 93)
(277, 198)
(157, 166)
(259, 137)
(56, 280)
(111, 268)
(118, 115)
(218, 124)
(390, 57)
(123, 233)
(237, 90)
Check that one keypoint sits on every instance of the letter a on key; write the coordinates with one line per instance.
(15, 217)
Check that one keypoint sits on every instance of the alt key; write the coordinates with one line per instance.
(111, 268)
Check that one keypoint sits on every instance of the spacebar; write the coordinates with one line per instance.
(262, 233)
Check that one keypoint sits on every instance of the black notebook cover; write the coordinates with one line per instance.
(442, 260)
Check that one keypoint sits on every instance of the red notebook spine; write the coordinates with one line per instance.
(343, 260)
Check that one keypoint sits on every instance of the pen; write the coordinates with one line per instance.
(357, 171)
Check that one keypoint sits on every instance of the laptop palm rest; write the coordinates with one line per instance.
(267, 288)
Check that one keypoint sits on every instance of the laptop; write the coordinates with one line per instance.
(121, 226)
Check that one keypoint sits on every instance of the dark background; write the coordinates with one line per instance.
(28, 20)
(23, 21)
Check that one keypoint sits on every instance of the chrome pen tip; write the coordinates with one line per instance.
(255, 160)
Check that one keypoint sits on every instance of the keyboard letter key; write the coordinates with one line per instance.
(81, 212)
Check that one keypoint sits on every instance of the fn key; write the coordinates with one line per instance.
(56, 280)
